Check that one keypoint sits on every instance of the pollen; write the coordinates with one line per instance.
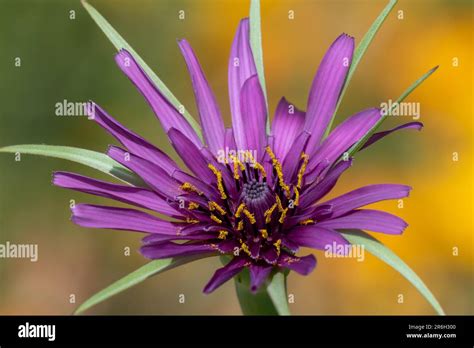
(305, 159)
(306, 222)
(278, 203)
(239, 210)
(245, 248)
(297, 196)
(249, 216)
(283, 216)
(240, 225)
(277, 245)
(191, 221)
(277, 166)
(193, 205)
(190, 188)
(264, 233)
(216, 219)
(220, 185)
(268, 213)
(222, 234)
(214, 206)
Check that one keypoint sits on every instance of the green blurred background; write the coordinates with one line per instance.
(63, 58)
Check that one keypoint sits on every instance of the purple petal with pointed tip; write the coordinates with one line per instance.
(367, 219)
(326, 88)
(377, 136)
(163, 109)
(258, 275)
(169, 249)
(224, 274)
(303, 265)
(211, 120)
(313, 236)
(97, 216)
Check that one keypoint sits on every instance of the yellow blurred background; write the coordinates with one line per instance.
(64, 58)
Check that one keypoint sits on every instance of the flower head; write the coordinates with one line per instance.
(255, 197)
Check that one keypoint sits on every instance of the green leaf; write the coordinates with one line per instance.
(379, 250)
(277, 292)
(119, 43)
(150, 269)
(258, 303)
(89, 158)
(360, 51)
(406, 93)
(257, 51)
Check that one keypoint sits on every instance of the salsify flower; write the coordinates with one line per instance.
(255, 197)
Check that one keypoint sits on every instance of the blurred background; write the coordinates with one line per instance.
(70, 59)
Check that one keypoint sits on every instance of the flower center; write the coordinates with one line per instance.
(254, 191)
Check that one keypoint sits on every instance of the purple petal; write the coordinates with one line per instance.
(159, 238)
(258, 275)
(318, 190)
(313, 236)
(241, 67)
(254, 115)
(166, 113)
(366, 219)
(377, 136)
(367, 195)
(286, 126)
(211, 120)
(97, 216)
(153, 175)
(191, 155)
(133, 142)
(229, 139)
(342, 137)
(303, 265)
(169, 249)
(326, 88)
(132, 195)
(225, 273)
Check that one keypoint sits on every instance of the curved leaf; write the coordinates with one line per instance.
(150, 269)
(379, 250)
(119, 42)
(257, 51)
(354, 148)
(360, 51)
(89, 158)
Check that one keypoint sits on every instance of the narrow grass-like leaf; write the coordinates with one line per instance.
(150, 269)
(405, 94)
(277, 292)
(379, 250)
(119, 42)
(257, 51)
(360, 51)
(88, 158)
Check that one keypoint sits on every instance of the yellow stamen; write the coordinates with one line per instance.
(220, 185)
(216, 219)
(240, 225)
(249, 216)
(193, 205)
(214, 206)
(268, 213)
(277, 166)
(239, 210)
(236, 163)
(306, 222)
(277, 245)
(297, 196)
(305, 159)
(278, 203)
(264, 233)
(190, 188)
(222, 234)
(245, 248)
(191, 221)
(283, 216)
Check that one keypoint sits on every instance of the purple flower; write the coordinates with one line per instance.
(254, 197)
